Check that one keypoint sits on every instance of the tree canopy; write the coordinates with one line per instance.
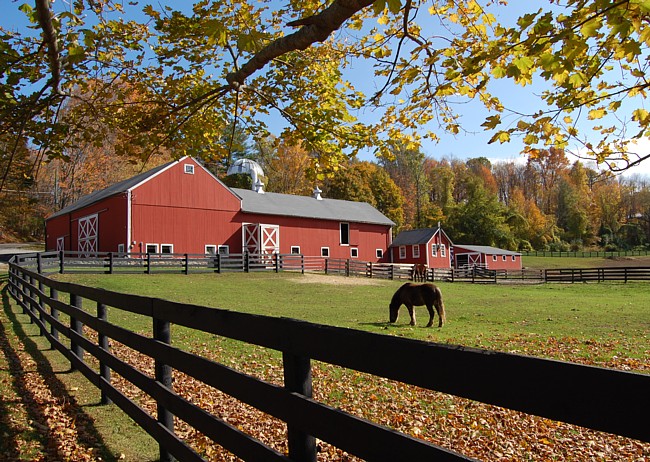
(175, 76)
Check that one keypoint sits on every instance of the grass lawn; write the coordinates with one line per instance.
(605, 324)
(490, 316)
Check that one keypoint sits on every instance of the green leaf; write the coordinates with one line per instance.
(394, 6)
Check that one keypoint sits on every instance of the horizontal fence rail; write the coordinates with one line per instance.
(602, 399)
(112, 262)
(587, 254)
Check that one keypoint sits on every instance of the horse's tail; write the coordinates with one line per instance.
(440, 305)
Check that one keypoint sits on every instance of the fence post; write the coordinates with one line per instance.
(187, 264)
(163, 375)
(246, 262)
(392, 272)
(110, 263)
(276, 257)
(326, 265)
(148, 271)
(297, 379)
(54, 295)
(41, 305)
(102, 339)
(347, 267)
(76, 326)
(61, 262)
(218, 263)
(302, 264)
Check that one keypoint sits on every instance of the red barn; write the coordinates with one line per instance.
(429, 246)
(180, 207)
(486, 257)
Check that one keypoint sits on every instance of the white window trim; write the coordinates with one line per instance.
(297, 247)
(171, 248)
(223, 250)
(443, 250)
(210, 249)
(354, 252)
(415, 249)
(379, 253)
(188, 168)
(120, 249)
(325, 250)
(402, 252)
(503, 258)
(514, 258)
(434, 250)
(146, 247)
(60, 243)
(494, 258)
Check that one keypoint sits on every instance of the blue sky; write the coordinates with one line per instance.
(474, 143)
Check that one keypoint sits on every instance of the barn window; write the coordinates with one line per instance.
(189, 169)
(503, 258)
(120, 250)
(166, 248)
(494, 258)
(151, 248)
(324, 251)
(379, 253)
(443, 250)
(514, 258)
(224, 250)
(210, 249)
(345, 233)
(354, 252)
(402, 252)
(416, 251)
(434, 250)
(295, 250)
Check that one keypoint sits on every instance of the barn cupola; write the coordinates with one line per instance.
(316, 194)
(248, 167)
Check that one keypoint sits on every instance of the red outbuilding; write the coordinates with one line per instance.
(180, 207)
(486, 257)
(429, 246)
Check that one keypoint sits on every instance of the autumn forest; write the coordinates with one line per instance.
(545, 203)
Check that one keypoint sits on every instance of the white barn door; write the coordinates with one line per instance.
(261, 239)
(88, 234)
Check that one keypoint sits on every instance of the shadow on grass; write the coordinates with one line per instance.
(46, 437)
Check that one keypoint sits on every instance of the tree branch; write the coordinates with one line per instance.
(314, 29)
(49, 38)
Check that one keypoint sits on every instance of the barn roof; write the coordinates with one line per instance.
(117, 188)
(486, 249)
(308, 207)
(417, 236)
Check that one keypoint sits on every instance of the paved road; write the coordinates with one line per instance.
(9, 250)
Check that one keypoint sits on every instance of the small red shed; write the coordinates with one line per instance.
(487, 257)
(180, 207)
(428, 246)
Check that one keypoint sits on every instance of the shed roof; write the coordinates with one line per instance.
(486, 249)
(309, 207)
(417, 236)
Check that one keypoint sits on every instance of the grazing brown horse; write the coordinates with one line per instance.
(419, 272)
(417, 295)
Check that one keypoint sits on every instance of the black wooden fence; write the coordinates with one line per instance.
(623, 274)
(602, 399)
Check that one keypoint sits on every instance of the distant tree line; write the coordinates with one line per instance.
(544, 203)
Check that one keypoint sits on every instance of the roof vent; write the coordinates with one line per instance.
(316, 194)
(249, 167)
(258, 187)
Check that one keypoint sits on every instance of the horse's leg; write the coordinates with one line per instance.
(431, 315)
(411, 314)
(440, 307)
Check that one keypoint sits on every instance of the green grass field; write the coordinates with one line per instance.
(605, 324)
(491, 316)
